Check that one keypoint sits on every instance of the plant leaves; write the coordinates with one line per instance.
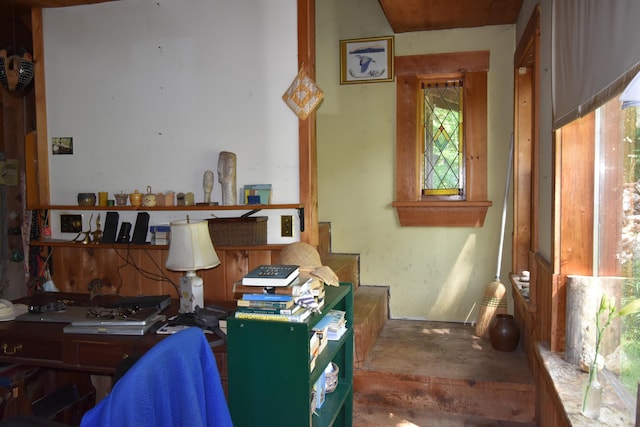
(630, 308)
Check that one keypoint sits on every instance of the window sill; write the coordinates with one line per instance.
(442, 213)
(568, 381)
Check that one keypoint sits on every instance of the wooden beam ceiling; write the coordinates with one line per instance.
(403, 16)
(424, 15)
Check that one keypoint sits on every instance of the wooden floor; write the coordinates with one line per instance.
(416, 370)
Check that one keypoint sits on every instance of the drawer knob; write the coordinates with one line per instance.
(14, 350)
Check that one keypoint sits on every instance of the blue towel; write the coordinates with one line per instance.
(176, 383)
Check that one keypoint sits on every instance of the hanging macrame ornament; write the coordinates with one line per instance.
(303, 95)
(16, 72)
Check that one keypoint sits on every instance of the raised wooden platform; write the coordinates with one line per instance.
(422, 374)
(440, 374)
(371, 312)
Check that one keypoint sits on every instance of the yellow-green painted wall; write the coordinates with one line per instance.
(434, 273)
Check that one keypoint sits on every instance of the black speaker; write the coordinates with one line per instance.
(110, 227)
(141, 229)
(123, 235)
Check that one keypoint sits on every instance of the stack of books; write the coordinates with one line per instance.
(262, 306)
(296, 288)
(333, 325)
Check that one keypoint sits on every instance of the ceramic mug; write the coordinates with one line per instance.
(135, 198)
(149, 199)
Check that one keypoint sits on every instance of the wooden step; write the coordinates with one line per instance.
(437, 367)
(346, 267)
(370, 312)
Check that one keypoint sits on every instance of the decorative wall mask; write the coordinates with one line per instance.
(16, 72)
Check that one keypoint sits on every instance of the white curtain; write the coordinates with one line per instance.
(595, 53)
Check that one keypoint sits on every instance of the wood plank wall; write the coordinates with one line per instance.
(135, 271)
(538, 318)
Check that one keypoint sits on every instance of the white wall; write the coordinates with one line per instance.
(152, 90)
(434, 273)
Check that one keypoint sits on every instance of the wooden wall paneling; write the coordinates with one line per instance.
(557, 315)
(307, 143)
(38, 191)
(407, 155)
(215, 287)
(121, 270)
(522, 168)
(549, 409)
(140, 271)
(574, 157)
(575, 154)
(543, 299)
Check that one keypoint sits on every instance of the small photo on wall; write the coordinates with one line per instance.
(62, 145)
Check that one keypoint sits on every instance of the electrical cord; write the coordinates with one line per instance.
(129, 261)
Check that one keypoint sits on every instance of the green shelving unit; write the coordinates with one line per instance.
(269, 380)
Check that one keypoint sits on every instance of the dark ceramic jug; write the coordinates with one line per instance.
(504, 334)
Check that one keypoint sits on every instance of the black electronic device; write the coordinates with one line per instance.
(110, 227)
(123, 235)
(141, 229)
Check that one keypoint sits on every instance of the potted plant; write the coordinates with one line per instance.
(605, 315)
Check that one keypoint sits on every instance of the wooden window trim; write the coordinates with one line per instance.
(526, 160)
(412, 207)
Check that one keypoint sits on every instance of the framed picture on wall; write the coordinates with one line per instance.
(366, 60)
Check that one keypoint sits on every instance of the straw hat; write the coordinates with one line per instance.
(307, 257)
(9, 310)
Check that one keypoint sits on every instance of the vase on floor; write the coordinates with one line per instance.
(504, 334)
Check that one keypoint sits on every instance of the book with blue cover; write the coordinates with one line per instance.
(267, 297)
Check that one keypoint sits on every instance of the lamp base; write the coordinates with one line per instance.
(191, 292)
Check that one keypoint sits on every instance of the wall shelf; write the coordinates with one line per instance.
(172, 208)
(79, 245)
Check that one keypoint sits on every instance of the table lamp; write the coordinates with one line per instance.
(191, 249)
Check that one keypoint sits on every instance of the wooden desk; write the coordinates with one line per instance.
(46, 345)
(73, 357)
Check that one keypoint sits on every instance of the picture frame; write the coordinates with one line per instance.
(366, 60)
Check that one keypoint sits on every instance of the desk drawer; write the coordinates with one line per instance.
(96, 355)
(28, 348)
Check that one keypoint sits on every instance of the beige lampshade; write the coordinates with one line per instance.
(190, 247)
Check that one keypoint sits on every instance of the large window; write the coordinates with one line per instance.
(598, 216)
(441, 139)
(617, 223)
